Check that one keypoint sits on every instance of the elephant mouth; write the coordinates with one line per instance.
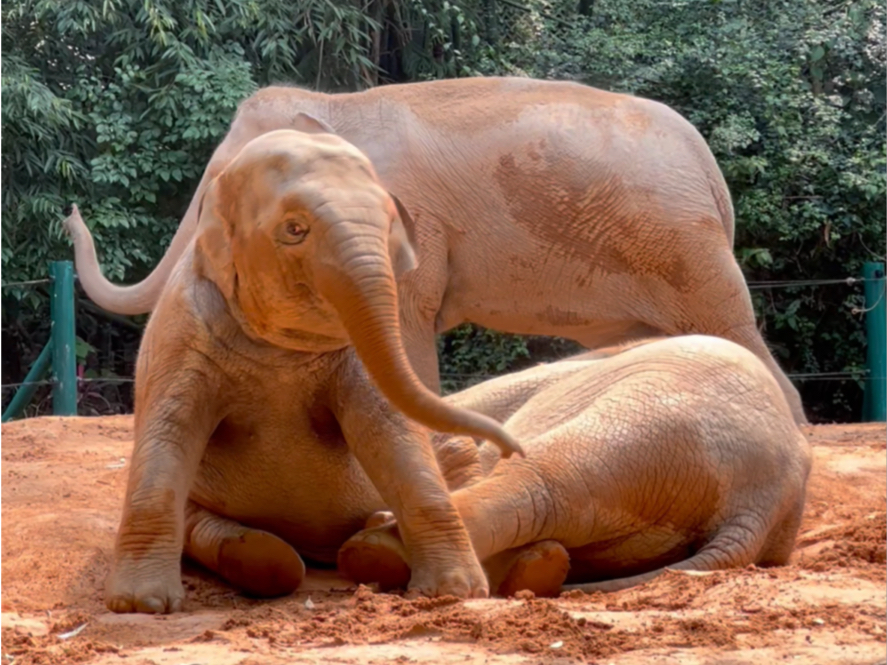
(297, 339)
(301, 340)
(306, 340)
(297, 319)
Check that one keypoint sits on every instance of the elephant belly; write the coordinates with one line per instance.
(312, 495)
(510, 289)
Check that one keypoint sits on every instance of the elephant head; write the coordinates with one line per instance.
(305, 245)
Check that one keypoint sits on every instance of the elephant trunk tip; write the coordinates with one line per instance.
(507, 444)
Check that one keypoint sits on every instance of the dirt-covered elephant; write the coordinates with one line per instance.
(540, 207)
(272, 388)
(678, 453)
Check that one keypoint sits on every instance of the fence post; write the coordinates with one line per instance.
(64, 359)
(29, 386)
(875, 402)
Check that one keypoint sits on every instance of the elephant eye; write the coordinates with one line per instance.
(294, 232)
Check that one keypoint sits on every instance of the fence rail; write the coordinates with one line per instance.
(59, 353)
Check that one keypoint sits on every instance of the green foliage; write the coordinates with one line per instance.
(446, 37)
(469, 355)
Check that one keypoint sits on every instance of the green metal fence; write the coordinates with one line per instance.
(59, 354)
(875, 400)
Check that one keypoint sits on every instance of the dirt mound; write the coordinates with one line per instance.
(63, 483)
(862, 541)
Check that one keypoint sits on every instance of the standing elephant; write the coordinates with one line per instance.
(266, 365)
(678, 453)
(541, 207)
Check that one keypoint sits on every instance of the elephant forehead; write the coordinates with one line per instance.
(306, 180)
(297, 153)
(336, 197)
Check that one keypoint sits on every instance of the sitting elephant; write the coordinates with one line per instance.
(678, 453)
(541, 208)
(261, 385)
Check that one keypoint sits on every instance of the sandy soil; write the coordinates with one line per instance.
(63, 482)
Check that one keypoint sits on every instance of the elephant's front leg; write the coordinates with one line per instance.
(399, 460)
(175, 416)
(512, 523)
(377, 555)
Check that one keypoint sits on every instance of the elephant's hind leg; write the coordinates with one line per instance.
(735, 545)
(256, 562)
(538, 567)
(722, 307)
(376, 555)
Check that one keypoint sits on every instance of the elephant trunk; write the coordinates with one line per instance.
(128, 300)
(360, 285)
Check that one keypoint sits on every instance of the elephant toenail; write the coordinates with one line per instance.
(154, 605)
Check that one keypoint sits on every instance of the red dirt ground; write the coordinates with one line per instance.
(63, 483)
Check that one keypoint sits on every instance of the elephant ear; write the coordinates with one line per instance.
(302, 122)
(402, 246)
(213, 255)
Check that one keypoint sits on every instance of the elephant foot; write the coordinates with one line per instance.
(149, 586)
(260, 564)
(540, 567)
(256, 562)
(379, 518)
(376, 554)
(462, 577)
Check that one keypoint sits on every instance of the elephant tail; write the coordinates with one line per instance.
(128, 300)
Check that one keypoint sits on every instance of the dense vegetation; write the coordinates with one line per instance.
(116, 105)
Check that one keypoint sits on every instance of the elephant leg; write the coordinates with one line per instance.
(734, 545)
(421, 294)
(256, 562)
(176, 394)
(420, 342)
(781, 543)
(539, 567)
(751, 338)
(400, 461)
(721, 306)
(377, 555)
(498, 517)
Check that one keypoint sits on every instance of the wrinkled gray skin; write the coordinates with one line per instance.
(678, 453)
(541, 208)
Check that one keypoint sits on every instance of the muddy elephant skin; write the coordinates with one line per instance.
(678, 453)
(274, 361)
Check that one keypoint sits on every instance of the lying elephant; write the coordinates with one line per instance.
(541, 207)
(678, 453)
(260, 383)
